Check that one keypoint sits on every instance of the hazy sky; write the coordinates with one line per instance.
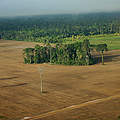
(35, 7)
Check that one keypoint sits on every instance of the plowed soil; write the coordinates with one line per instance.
(69, 92)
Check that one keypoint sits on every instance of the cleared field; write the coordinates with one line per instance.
(70, 92)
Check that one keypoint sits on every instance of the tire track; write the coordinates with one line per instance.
(72, 107)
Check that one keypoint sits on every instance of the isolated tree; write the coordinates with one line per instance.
(101, 48)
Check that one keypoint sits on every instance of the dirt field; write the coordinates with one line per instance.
(70, 92)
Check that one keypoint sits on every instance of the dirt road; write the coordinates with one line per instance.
(73, 107)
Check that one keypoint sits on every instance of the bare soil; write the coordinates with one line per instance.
(68, 90)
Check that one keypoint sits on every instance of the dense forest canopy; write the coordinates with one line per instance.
(70, 54)
(56, 28)
(77, 53)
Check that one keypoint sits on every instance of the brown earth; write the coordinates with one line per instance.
(70, 92)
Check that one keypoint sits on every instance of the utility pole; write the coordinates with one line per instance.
(41, 80)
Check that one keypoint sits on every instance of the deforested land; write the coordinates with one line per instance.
(70, 92)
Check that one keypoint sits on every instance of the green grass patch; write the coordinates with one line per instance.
(113, 41)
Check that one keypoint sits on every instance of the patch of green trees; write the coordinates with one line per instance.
(77, 53)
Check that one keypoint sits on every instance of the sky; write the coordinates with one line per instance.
(40, 7)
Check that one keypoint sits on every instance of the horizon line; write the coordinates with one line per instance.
(50, 14)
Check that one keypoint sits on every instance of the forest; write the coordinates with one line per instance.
(59, 28)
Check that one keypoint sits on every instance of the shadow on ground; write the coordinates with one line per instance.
(107, 58)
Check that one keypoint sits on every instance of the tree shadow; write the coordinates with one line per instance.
(107, 58)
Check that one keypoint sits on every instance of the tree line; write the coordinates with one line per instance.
(55, 28)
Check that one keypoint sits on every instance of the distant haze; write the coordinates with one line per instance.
(38, 7)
